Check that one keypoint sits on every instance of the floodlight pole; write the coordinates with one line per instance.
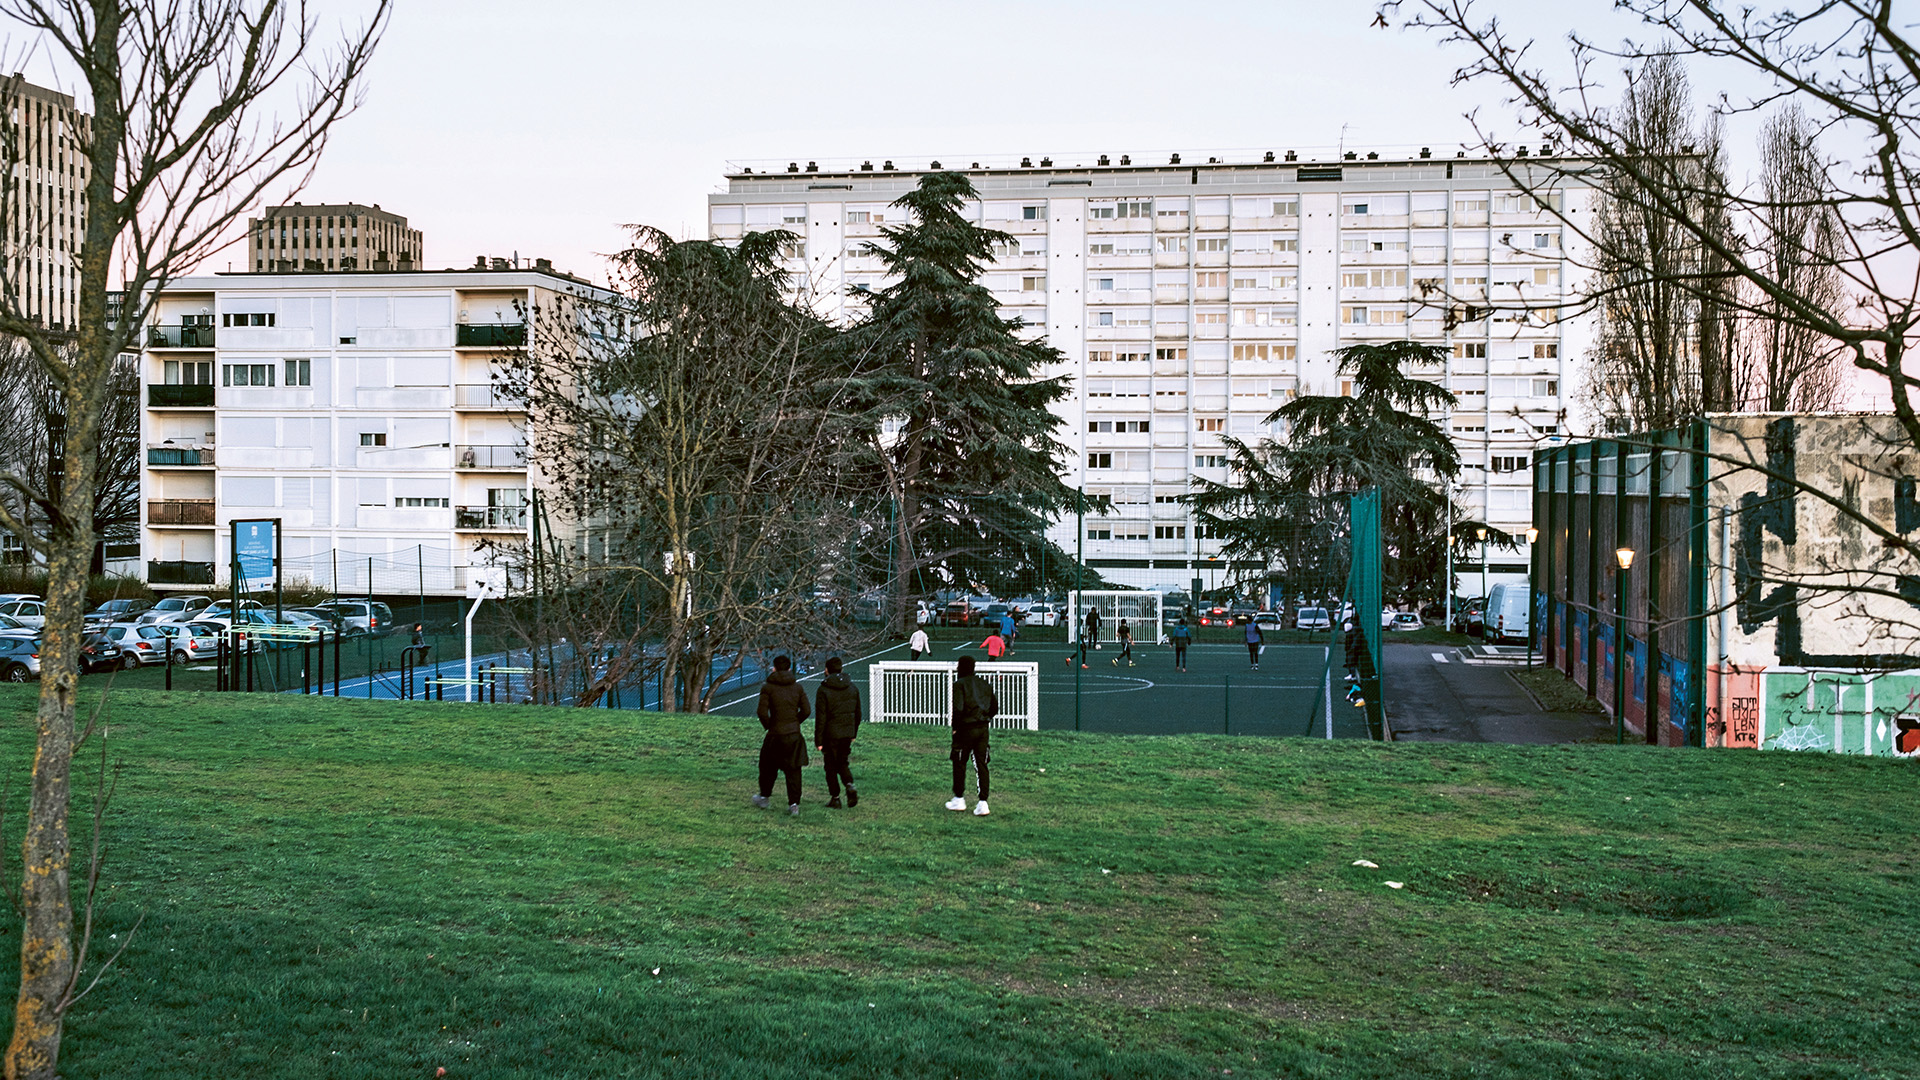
(471, 612)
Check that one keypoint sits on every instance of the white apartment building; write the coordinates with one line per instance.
(44, 208)
(357, 408)
(1191, 300)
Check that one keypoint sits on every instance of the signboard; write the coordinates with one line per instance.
(256, 550)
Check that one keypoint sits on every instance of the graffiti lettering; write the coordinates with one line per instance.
(1745, 729)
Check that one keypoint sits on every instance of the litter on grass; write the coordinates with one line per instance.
(1396, 884)
(1368, 863)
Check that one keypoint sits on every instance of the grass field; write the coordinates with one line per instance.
(354, 889)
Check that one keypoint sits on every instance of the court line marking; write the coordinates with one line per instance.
(815, 675)
(1439, 658)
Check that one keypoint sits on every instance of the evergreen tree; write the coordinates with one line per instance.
(966, 442)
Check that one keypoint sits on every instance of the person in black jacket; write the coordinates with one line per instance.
(974, 707)
(783, 705)
(836, 721)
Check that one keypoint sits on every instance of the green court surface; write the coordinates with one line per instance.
(1219, 693)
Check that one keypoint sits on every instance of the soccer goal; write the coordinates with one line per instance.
(921, 692)
(1140, 609)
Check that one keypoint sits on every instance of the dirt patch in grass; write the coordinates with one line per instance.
(1669, 896)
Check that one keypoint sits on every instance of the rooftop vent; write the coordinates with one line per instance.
(1462, 153)
(1175, 160)
(1291, 156)
(866, 166)
(813, 167)
(1426, 151)
(748, 169)
(543, 264)
(1685, 148)
(1046, 163)
(1213, 161)
(1103, 160)
(976, 164)
(1351, 155)
(479, 262)
(499, 264)
(1523, 151)
(793, 166)
(886, 166)
(936, 164)
(1026, 163)
(1125, 160)
(1373, 155)
(1269, 157)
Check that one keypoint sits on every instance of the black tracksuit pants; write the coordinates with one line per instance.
(839, 753)
(970, 742)
(782, 754)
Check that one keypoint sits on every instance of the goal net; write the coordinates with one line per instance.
(1140, 609)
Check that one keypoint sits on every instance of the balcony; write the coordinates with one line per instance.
(484, 396)
(179, 337)
(194, 395)
(179, 455)
(162, 572)
(482, 518)
(180, 511)
(490, 335)
(499, 458)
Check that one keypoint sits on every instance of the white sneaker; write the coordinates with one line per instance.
(980, 809)
(956, 803)
(761, 801)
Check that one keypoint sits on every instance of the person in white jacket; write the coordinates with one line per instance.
(918, 645)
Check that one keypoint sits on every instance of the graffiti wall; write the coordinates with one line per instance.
(1782, 708)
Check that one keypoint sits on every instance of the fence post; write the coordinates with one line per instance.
(1226, 708)
(169, 665)
(336, 663)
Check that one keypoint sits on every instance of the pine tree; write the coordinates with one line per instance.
(973, 468)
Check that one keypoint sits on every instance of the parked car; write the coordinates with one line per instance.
(923, 613)
(1268, 619)
(192, 641)
(1243, 615)
(19, 659)
(1312, 618)
(140, 643)
(1216, 615)
(1406, 620)
(1467, 617)
(328, 619)
(175, 609)
(218, 628)
(967, 611)
(220, 608)
(118, 610)
(1042, 614)
(31, 612)
(99, 652)
(15, 628)
(361, 617)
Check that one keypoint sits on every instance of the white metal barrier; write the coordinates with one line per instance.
(921, 692)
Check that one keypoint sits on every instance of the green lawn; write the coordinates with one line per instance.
(354, 889)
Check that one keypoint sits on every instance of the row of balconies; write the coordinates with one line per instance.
(464, 456)
(465, 336)
(200, 512)
(474, 396)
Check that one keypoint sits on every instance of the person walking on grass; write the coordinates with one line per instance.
(783, 705)
(1181, 636)
(1256, 643)
(836, 721)
(974, 707)
(918, 645)
(1126, 644)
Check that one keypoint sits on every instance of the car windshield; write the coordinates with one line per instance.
(1313, 613)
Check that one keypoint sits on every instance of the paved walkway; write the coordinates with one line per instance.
(1433, 697)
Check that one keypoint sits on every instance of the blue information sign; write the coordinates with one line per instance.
(254, 547)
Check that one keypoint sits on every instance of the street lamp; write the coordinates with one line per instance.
(1533, 534)
(1625, 557)
(1482, 530)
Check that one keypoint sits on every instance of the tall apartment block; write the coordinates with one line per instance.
(1191, 300)
(323, 237)
(359, 409)
(43, 202)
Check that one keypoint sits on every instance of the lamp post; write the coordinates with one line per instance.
(1625, 557)
(1533, 563)
(1482, 530)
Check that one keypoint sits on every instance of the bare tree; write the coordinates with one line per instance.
(1797, 367)
(179, 146)
(33, 419)
(688, 431)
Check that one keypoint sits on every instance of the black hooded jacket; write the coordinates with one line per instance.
(783, 704)
(836, 709)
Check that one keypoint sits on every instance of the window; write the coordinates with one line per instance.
(1211, 423)
(1173, 243)
(1123, 427)
(299, 373)
(1374, 279)
(1469, 206)
(1101, 460)
(1095, 356)
(1246, 283)
(1209, 461)
(1099, 427)
(1099, 534)
(1165, 498)
(1546, 350)
(1263, 352)
(1123, 356)
(1514, 204)
(1503, 464)
(1470, 281)
(1037, 284)
(1210, 318)
(246, 375)
(1363, 244)
(793, 217)
(1546, 387)
(1133, 209)
(1469, 350)
(1033, 213)
(1213, 280)
(1171, 208)
(1171, 353)
(1286, 208)
(1210, 243)
(1284, 281)
(245, 318)
(1100, 249)
(1102, 318)
(1100, 212)
(1544, 240)
(190, 372)
(1355, 209)
(1206, 532)
(1288, 244)
(411, 501)
(1169, 532)
(857, 217)
(1353, 315)
(1546, 276)
(1100, 284)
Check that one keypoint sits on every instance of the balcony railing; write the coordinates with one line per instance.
(195, 394)
(489, 457)
(490, 517)
(483, 396)
(179, 337)
(180, 511)
(179, 455)
(493, 335)
(162, 572)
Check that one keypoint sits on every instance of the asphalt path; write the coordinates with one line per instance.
(1432, 696)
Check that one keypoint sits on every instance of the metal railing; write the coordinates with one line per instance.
(489, 457)
(496, 335)
(490, 517)
(180, 394)
(165, 572)
(180, 511)
(483, 396)
(179, 337)
(179, 455)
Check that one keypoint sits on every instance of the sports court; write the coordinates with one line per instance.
(1219, 693)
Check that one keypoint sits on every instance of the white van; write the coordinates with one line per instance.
(1507, 613)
